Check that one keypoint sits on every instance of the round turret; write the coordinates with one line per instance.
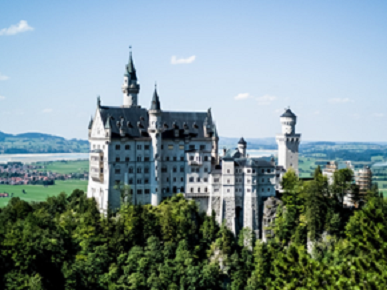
(242, 147)
(288, 121)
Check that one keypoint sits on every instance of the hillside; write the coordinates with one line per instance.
(40, 143)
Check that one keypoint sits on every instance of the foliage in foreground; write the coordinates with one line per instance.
(64, 243)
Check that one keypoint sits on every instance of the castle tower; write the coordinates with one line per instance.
(130, 87)
(288, 142)
(154, 131)
(242, 147)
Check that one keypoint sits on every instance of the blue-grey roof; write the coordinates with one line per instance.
(91, 123)
(135, 122)
(242, 141)
(288, 113)
(130, 70)
(155, 105)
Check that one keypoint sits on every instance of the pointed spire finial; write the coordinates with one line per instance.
(98, 101)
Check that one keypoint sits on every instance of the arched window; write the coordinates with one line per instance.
(130, 169)
(199, 189)
(139, 169)
(192, 190)
(205, 189)
(139, 158)
(182, 189)
(174, 189)
(191, 179)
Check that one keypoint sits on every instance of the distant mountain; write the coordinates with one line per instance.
(40, 143)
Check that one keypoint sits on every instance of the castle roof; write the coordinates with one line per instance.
(135, 121)
(242, 141)
(155, 105)
(288, 113)
(130, 70)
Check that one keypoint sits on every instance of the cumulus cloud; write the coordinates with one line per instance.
(48, 110)
(266, 100)
(22, 26)
(339, 100)
(3, 77)
(2, 97)
(379, 115)
(242, 96)
(175, 60)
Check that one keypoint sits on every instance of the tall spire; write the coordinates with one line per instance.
(130, 70)
(155, 105)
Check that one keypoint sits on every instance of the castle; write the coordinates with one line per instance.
(160, 153)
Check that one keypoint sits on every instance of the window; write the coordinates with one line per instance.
(117, 171)
(192, 147)
(205, 189)
(164, 169)
(268, 170)
(117, 159)
(146, 191)
(167, 158)
(146, 181)
(181, 169)
(126, 159)
(170, 146)
(139, 191)
(248, 170)
(117, 182)
(199, 189)
(181, 158)
(139, 147)
(181, 147)
(228, 170)
(205, 179)
(138, 181)
(263, 190)
(162, 147)
(174, 169)
(182, 189)
(174, 179)
(268, 190)
(191, 179)
(146, 170)
(205, 158)
(248, 190)
(216, 190)
(101, 170)
(130, 181)
(139, 170)
(167, 189)
(130, 169)
(228, 190)
(146, 159)
(138, 158)
(174, 158)
(205, 169)
(127, 147)
(202, 147)
(263, 180)
(253, 170)
(216, 180)
(248, 180)
(146, 147)
(101, 159)
(118, 147)
(191, 158)
(228, 180)
(263, 170)
(192, 190)
(94, 146)
(198, 179)
(182, 179)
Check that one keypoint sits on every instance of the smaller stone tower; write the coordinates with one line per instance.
(154, 131)
(288, 142)
(130, 87)
(242, 147)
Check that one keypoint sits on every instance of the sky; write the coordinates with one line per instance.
(246, 60)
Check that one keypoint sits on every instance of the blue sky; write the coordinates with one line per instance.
(247, 60)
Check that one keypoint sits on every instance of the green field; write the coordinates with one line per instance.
(40, 192)
(65, 167)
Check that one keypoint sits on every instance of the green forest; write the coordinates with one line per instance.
(65, 243)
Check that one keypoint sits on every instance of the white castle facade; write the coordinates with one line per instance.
(160, 153)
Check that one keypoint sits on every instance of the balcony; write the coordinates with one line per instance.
(195, 159)
(96, 165)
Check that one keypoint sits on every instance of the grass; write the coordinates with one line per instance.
(40, 192)
(65, 167)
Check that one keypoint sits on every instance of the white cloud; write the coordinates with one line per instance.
(175, 60)
(22, 26)
(379, 115)
(340, 100)
(266, 100)
(2, 97)
(3, 77)
(48, 110)
(242, 96)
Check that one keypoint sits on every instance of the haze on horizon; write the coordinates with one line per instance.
(247, 61)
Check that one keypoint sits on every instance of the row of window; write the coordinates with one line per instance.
(240, 190)
(191, 179)
(198, 190)
(237, 170)
(197, 169)
(170, 147)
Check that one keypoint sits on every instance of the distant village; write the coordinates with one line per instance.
(17, 173)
